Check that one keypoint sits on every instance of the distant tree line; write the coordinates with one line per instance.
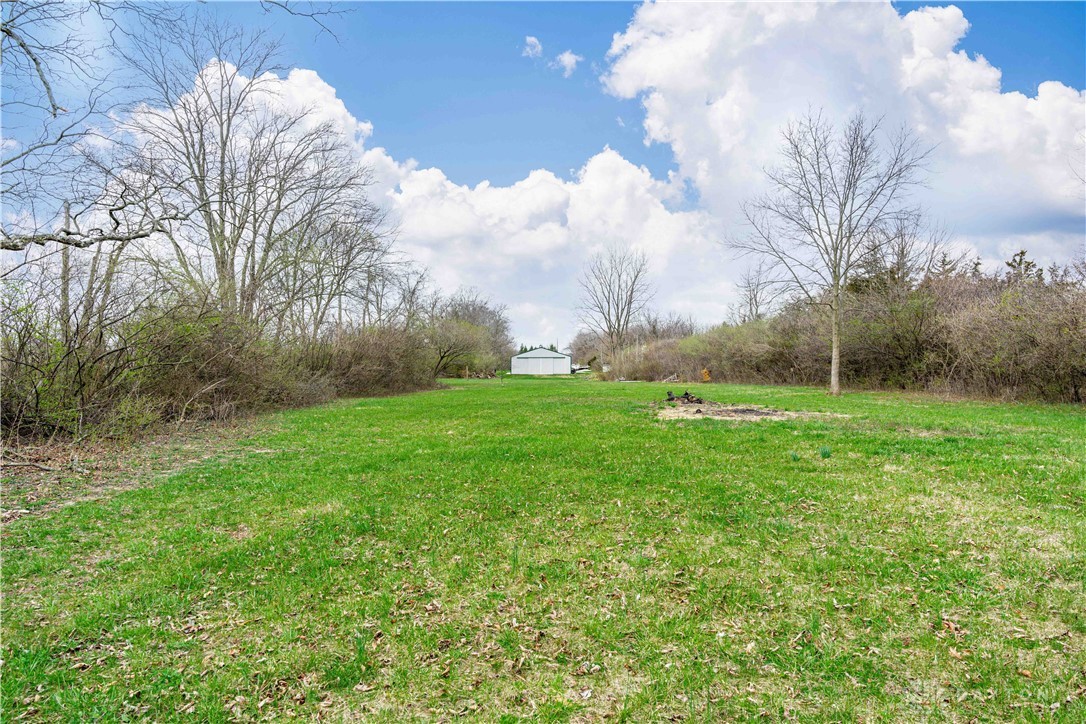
(924, 322)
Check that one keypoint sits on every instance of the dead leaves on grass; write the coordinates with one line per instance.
(49, 476)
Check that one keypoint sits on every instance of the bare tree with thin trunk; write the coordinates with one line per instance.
(615, 290)
(831, 200)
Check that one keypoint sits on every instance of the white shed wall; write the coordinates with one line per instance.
(540, 366)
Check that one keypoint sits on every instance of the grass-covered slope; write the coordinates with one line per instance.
(548, 549)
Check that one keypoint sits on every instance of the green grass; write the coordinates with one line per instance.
(548, 550)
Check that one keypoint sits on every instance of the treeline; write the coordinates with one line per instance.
(141, 353)
(215, 249)
(1019, 333)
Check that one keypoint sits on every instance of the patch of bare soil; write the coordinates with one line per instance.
(717, 411)
(37, 477)
(691, 407)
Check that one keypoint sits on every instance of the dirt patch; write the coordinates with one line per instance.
(38, 477)
(720, 411)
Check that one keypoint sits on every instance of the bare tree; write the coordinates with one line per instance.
(100, 201)
(60, 93)
(757, 293)
(205, 190)
(57, 96)
(329, 274)
(260, 178)
(830, 201)
(452, 341)
(394, 297)
(652, 327)
(615, 290)
(905, 252)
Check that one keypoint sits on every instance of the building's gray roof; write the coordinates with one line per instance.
(540, 352)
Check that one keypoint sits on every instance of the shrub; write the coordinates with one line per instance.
(1020, 335)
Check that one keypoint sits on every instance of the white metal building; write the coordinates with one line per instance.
(540, 361)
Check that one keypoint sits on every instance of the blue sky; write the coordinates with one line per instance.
(446, 84)
(1030, 42)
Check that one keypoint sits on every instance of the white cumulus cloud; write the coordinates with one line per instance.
(532, 47)
(525, 243)
(718, 81)
(566, 61)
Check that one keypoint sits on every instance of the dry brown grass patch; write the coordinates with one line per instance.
(733, 413)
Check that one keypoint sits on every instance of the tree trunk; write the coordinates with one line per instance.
(65, 292)
(66, 281)
(835, 350)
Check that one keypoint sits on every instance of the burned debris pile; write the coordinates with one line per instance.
(685, 397)
(688, 406)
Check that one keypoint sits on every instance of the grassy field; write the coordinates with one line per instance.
(548, 549)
